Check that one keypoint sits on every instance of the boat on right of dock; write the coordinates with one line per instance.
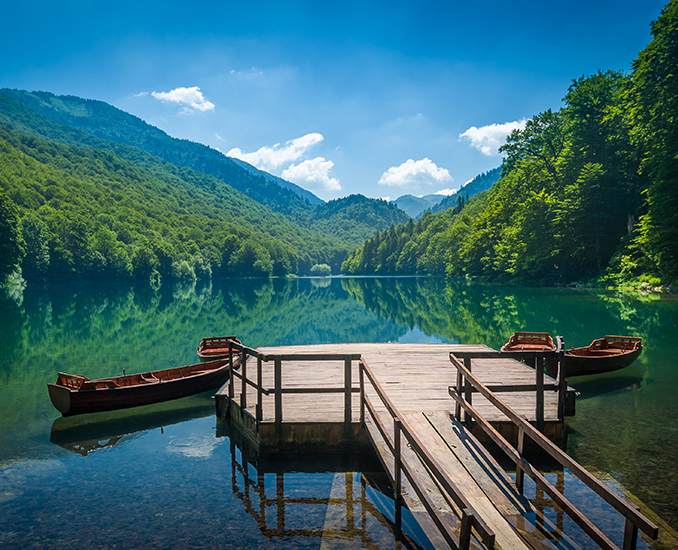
(606, 354)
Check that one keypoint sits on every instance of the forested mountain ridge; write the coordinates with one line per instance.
(587, 192)
(92, 208)
(350, 218)
(109, 123)
(88, 213)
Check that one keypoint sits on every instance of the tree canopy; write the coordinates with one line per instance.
(587, 192)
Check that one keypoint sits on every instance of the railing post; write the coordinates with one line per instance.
(397, 483)
(562, 380)
(278, 393)
(231, 390)
(460, 383)
(348, 412)
(243, 387)
(539, 370)
(260, 382)
(465, 531)
(361, 376)
(630, 534)
(520, 474)
(467, 385)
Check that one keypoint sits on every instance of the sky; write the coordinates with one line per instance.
(378, 98)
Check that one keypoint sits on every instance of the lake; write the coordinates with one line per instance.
(169, 476)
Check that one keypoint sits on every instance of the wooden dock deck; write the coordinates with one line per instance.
(414, 404)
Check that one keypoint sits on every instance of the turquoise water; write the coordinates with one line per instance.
(168, 476)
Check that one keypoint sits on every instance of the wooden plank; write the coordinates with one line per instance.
(409, 496)
(506, 537)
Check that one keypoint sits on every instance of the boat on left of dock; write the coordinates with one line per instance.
(75, 394)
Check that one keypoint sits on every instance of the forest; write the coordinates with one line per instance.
(74, 205)
(588, 193)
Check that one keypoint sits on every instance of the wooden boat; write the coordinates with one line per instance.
(214, 348)
(603, 355)
(533, 341)
(530, 341)
(76, 394)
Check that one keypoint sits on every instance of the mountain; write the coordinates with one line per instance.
(92, 207)
(414, 205)
(353, 219)
(480, 183)
(107, 122)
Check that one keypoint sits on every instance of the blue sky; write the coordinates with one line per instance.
(378, 98)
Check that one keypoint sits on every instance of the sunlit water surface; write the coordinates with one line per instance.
(169, 476)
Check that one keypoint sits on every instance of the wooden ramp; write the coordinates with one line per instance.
(407, 401)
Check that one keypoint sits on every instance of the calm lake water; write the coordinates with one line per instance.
(168, 476)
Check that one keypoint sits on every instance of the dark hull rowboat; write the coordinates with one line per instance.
(76, 394)
(603, 355)
(214, 348)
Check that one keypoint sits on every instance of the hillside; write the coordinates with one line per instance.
(588, 192)
(353, 219)
(281, 244)
(480, 183)
(109, 123)
(90, 214)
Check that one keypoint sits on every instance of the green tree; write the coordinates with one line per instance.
(36, 262)
(321, 270)
(12, 245)
(654, 109)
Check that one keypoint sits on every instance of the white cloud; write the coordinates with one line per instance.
(446, 192)
(141, 94)
(312, 174)
(270, 158)
(414, 174)
(488, 139)
(190, 98)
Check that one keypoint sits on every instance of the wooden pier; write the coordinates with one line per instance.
(425, 408)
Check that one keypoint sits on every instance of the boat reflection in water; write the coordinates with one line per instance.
(351, 504)
(86, 433)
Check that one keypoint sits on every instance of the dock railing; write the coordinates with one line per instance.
(278, 390)
(467, 382)
(538, 359)
(469, 519)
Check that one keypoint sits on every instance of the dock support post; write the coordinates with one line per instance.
(278, 394)
(243, 387)
(348, 412)
(260, 381)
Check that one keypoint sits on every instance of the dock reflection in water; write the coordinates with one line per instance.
(356, 507)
